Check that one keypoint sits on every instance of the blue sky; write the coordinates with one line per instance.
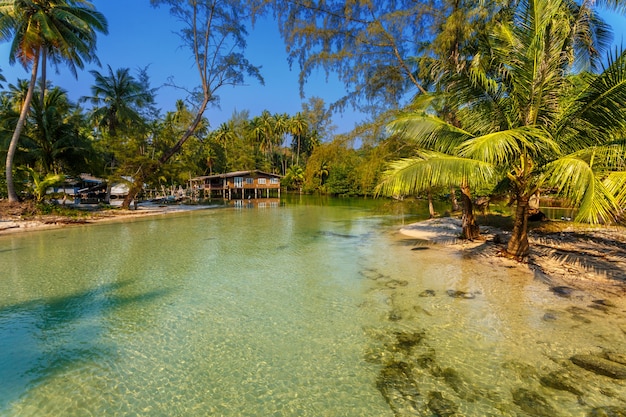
(140, 35)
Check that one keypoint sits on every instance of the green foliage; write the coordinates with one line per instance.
(294, 178)
(39, 184)
(512, 112)
(368, 45)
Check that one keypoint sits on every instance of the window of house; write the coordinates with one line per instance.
(274, 181)
(249, 181)
(261, 180)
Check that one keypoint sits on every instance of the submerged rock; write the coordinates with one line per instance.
(460, 294)
(560, 381)
(608, 411)
(398, 387)
(600, 366)
(426, 360)
(440, 406)
(549, 316)
(405, 341)
(427, 293)
(521, 369)
(455, 381)
(395, 283)
(395, 315)
(533, 403)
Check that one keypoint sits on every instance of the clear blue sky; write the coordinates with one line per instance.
(140, 35)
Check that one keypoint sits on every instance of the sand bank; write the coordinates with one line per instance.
(586, 258)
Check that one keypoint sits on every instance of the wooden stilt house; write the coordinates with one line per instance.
(238, 185)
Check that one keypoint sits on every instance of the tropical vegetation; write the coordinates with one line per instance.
(517, 99)
(520, 113)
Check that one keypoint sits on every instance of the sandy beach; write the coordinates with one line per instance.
(578, 257)
(14, 221)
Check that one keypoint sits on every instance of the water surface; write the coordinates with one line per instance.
(292, 310)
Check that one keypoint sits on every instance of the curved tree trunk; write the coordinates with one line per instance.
(133, 191)
(518, 246)
(13, 198)
(470, 230)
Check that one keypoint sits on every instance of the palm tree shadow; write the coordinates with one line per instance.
(582, 253)
(568, 253)
(42, 338)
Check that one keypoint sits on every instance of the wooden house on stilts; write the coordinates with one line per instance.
(238, 185)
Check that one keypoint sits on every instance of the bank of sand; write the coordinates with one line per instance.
(14, 220)
(573, 258)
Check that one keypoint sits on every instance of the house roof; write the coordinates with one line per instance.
(255, 172)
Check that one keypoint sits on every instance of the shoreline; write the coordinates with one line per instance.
(48, 222)
(576, 258)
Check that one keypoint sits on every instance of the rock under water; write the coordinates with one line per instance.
(398, 387)
(533, 403)
(609, 411)
(600, 366)
(441, 406)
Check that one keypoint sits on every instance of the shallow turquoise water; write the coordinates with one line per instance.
(269, 311)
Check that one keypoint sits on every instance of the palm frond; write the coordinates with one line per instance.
(429, 131)
(575, 179)
(432, 169)
(598, 112)
(615, 182)
(504, 147)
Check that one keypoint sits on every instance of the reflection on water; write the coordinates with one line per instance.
(302, 309)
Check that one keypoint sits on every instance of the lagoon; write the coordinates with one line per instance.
(309, 308)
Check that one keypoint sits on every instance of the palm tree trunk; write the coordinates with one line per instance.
(455, 203)
(13, 198)
(298, 154)
(470, 229)
(518, 246)
(431, 208)
(44, 76)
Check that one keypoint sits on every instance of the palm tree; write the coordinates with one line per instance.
(117, 98)
(263, 131)
(64, 29)
(298, 126)
(225, 135)
(50, 132)
(522, 116)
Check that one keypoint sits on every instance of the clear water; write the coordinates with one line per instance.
(284, 311)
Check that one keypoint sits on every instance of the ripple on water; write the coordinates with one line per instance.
(491, 354)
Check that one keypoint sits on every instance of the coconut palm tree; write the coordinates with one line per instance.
(117, 98)
(298, 126)
(64, 29)
(49, 131)
(522, 116)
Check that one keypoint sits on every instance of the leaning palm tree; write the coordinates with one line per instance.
(64, 29)
(521, 114)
